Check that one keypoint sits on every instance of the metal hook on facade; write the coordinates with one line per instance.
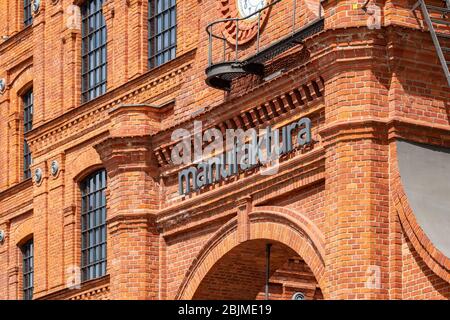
(364, 6)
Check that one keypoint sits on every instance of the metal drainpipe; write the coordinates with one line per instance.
(268, 246)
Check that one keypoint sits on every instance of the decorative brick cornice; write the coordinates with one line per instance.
(16, 66)
(300, 165)
(419, 131)
(133, 218)
(15, 189)
(13, 272)
(387, 128)
(91, 289)
(97, 294)
(303, 96)
(309, 88)
(125, 153)
(369, 128)
(93, 112)
(15, 39)
(134, 119)
(126, 221)
(244, 203)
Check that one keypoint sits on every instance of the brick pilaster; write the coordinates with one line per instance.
(244, 208)
(126, 21)
(133, 242)
(356, 190)
(41, 234)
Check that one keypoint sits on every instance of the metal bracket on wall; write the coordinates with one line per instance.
(235, 61)
(434, 23)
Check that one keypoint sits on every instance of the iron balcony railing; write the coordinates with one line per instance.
(235, 54)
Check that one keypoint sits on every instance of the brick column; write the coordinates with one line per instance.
(357, 185)
(133, 241)
(39, 67)
(55, 215)
(137, 46)
(4, 256)
(42, 230)
(15, 130)
(9, 254)
(71, 44)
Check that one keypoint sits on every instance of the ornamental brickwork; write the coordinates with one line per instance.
(336, 213)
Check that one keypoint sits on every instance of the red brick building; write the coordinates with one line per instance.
(92, 91)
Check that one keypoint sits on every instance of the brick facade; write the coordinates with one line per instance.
(335, 213)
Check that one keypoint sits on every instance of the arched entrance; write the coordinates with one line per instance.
(230, 267)
(241, 274)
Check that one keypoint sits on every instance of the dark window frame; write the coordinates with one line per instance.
(27, 269)
(27, 13)
(162, 32)
(93, 226)
(93, 51)
(28, 105)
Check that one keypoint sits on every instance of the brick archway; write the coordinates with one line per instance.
(292, 235)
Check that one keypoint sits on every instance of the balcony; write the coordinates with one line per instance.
(229, 58)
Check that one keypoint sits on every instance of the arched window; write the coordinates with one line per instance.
(93, 226)
(93, 50)
(162, 31)
(27, 269)
(27, 101)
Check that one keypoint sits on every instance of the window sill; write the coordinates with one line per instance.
(16, 37)
(85, 288)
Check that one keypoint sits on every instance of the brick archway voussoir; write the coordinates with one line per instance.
(266, 223)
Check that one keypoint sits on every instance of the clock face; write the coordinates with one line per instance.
(248, 28)
(247, 7)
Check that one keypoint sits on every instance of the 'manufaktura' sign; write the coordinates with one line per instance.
(245, 150)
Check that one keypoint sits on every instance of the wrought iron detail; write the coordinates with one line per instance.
(434, 23)
(235, 61)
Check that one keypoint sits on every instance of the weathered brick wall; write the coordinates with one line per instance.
(419, 282)
(181, 250)
(309, 202)
(334, 205)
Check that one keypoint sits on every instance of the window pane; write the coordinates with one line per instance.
(27, 17)
(93, 221)
(93, 49)
(27, 270)
(27, 101)
(161, 31)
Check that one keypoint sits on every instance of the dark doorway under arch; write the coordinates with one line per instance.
(241, 274)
